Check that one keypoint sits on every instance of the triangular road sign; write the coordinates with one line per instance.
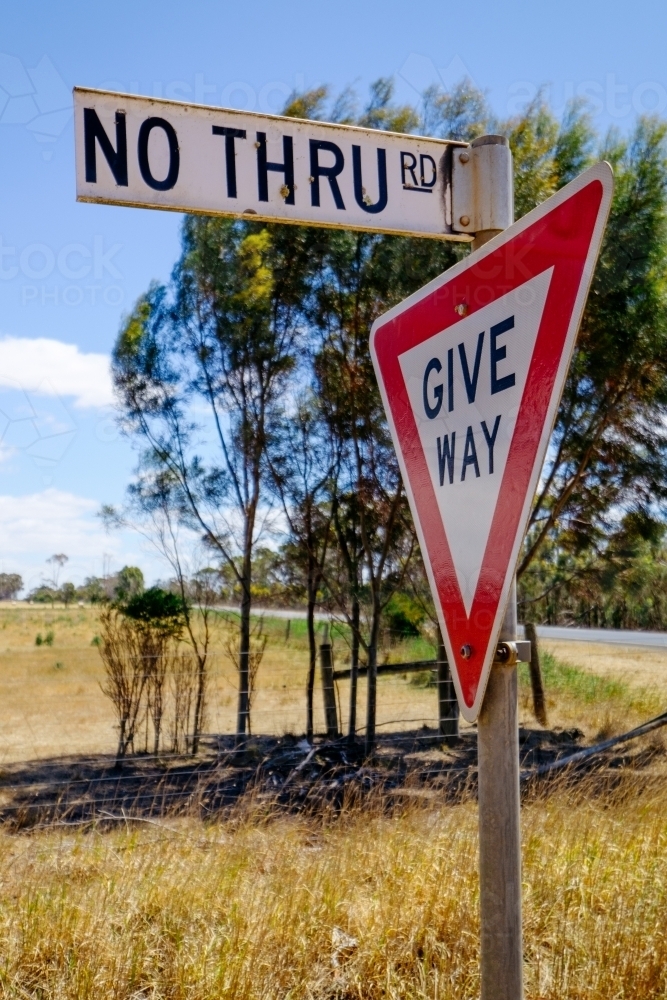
(471, 370)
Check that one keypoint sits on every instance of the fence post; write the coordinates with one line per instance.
(448, 706)
(328, 692)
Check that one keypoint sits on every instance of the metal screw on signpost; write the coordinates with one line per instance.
(499, 806)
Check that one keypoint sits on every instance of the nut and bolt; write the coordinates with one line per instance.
(466, 651)
(465, 220)
(464, 157)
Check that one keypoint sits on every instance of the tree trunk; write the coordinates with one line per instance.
(371, 702)
(310, 684)
(539, 701)
(199, 703)
(354, 668)
(122, 743)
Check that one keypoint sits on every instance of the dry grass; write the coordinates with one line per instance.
(255, 909)
(260, 906)
(51, 703)
(640, 666)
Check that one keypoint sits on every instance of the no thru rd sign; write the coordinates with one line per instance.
(184, 157)
(471, 370)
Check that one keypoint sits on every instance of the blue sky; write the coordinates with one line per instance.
(68, 272)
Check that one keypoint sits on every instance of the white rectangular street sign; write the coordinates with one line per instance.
(151, 153)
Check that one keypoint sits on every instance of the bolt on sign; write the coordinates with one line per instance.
(150, 153)
(471, 370)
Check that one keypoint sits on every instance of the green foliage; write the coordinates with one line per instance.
(130, 582)
(93, 590)
(46, 640)
(307, 104)
(44, 595)
(157, 608)
(590, 689)
(460, 113)
(10, 585)
(423, 679)
(267, 573)
(253, 311)
(381, 113)
(609, 450)
(404, 616)
(623, 585)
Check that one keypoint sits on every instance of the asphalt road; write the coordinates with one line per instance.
(617, 637)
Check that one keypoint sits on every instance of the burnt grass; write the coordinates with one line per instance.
(284, 773)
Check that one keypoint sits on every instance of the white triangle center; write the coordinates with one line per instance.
(465, 386)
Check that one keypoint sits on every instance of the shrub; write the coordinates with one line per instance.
(404, 617)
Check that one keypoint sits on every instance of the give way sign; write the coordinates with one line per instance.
(471, 370)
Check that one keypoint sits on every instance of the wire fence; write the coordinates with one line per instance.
(59, 741)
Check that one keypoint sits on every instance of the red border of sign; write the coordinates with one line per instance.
(565, 234)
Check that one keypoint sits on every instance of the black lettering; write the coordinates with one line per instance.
(499, 354)
(471, 383)
(360, 191)
(450, 379)
(116, 158)
(174, 155)
(286, 168)
(331, 173)
(446, 457)
(491, 440)
(230, 135)
(469, 455)
(432, 411)
(423, 159)
(408, 168)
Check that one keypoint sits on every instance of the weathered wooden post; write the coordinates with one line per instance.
(328, 690)
(499, 801)
(499, 827)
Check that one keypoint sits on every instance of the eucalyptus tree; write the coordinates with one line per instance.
(303, 459)
(608, 454)
(358, 276)
(199, 367)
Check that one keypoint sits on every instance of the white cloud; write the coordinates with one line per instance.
(34, 526)
(52, 368)
(41, 520)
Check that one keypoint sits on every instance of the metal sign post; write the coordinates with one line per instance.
(499, 813)
(500, 827)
